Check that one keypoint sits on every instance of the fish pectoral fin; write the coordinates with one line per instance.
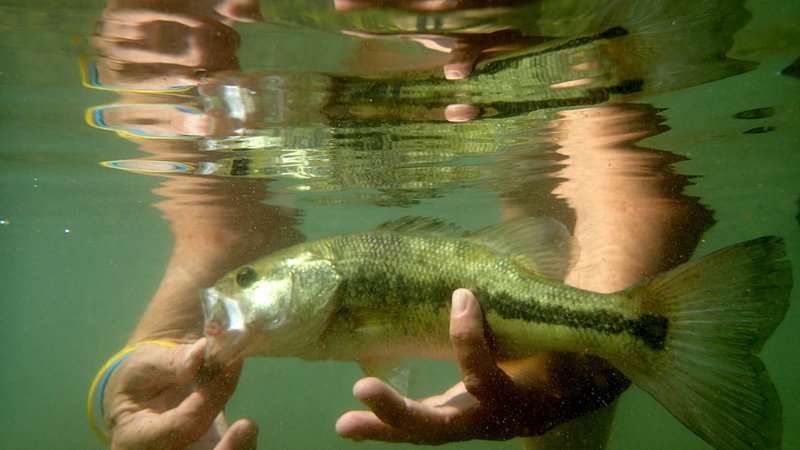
(396, 373)
(542, 245)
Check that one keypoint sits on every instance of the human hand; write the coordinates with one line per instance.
(465, 47)
(464, 50)
(167, 44)
(158, 399)
(549, 389)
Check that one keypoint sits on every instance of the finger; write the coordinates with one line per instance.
(194, 415)
(385, 402)
(144, 39)
(193, 56)
(242, 435)
(114, 29)
(240, 10)
(418, 420)
(153, 365)
(467, 335)
(482, 378)
(217, 387)
(185, 361)
(194, 357)
(362, 425)
(460, 112)
(365, 425)
(138, 17)
(462, 62)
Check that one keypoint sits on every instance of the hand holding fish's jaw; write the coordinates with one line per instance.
(225, 329)
(223, 349)
(487, 404)
(164, 398)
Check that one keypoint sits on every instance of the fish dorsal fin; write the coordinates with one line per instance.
(541, 245)
(422, 225)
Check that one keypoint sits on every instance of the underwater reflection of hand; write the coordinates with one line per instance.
(464, 50)
(163, 44)
(487, 403)
(156, 400)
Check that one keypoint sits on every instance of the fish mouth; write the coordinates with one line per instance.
(225, 328)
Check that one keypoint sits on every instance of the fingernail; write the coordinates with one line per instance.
(454, 74)
(460, 112)
(459, 303)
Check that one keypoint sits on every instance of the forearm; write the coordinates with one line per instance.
(632, 219)
(217, 225)
(174, 311)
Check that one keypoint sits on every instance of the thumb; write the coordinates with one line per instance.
(462, 61)
(466, 329)
(479, 369)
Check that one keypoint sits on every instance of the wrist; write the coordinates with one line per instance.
(95, 409)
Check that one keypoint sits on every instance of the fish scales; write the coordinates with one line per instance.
(393, 300)
(688, 337)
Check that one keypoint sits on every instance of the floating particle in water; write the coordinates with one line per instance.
(757, 113)
(4, 221)
(67, 231)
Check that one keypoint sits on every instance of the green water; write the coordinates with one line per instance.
(83, 249)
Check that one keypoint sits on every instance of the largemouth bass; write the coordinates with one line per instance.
(688, 336)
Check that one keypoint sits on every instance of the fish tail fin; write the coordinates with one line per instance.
(714, 316)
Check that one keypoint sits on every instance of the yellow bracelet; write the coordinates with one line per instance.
(101, 379)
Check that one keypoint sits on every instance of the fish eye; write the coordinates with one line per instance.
(246, 277)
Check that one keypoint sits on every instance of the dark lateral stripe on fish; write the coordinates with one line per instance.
(611, 33)
(650, 329)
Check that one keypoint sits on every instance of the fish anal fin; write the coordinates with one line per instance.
(528, 371)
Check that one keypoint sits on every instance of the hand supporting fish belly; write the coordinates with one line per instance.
(488, 404)
(689, 336)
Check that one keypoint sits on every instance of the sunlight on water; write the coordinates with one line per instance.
(149, 149)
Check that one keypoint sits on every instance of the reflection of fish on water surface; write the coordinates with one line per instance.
(688, 336)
